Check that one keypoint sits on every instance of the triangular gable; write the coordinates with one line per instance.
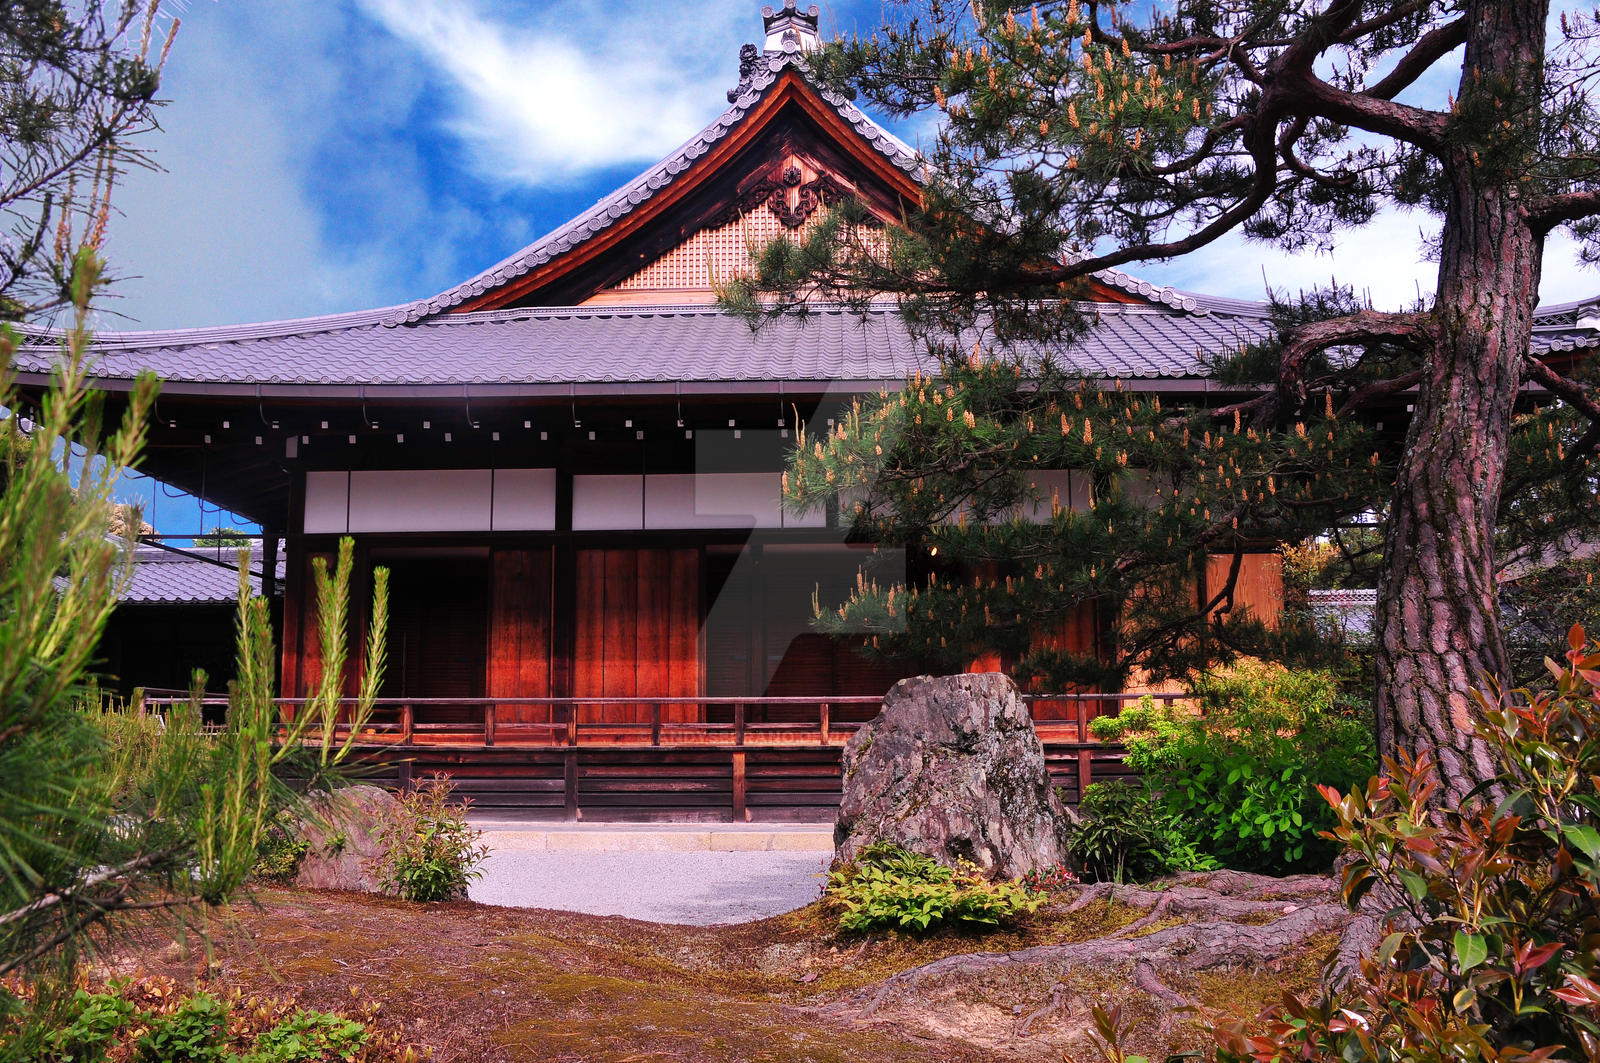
(783, 149)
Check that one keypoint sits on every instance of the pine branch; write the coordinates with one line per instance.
(1568, 390)
(1433, 46)
(1547, 212)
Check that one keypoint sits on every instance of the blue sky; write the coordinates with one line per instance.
(328, 155)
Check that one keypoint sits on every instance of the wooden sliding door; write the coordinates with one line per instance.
(519, 632)
(637, 631)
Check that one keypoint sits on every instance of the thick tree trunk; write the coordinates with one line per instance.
(1437, 619)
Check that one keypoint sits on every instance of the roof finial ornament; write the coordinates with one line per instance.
(791, 29)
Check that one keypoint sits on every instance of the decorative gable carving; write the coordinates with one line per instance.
(777, 200)
(789, 195)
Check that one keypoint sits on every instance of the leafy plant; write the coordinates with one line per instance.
(197, 1032)
(430, 852)
(1124, 835)
(151, 1020)
(282, 848)
(1241, 778)
(1488, 944)
(306, 1037)
(891, 888)
(95, 1021)
(1049, 880)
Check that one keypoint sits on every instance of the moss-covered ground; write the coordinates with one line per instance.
(486, 984)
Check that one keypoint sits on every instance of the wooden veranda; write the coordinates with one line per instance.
(706, 758)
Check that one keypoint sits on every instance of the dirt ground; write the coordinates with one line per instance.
(472, 982)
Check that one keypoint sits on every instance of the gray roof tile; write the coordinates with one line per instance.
(161, 577)
(598, 345)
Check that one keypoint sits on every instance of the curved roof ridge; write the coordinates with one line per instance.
(121, 339)
(758, 76)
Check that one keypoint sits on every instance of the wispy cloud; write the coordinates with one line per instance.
(573, 88)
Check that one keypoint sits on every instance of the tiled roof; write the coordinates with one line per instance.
(163, 577)
(600, 217)
(611, 345)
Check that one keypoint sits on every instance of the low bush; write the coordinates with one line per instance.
(1123, 834)
(281, 849)
(1242, 778)
(430, 852)
(890, 888)
(150, 1021)
(1489, 939)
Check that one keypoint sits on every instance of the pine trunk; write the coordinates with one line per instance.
(1438, 632)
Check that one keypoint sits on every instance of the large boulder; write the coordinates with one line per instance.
(952, 768)
(341, 830)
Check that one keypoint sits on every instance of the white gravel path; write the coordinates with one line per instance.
(697, 887)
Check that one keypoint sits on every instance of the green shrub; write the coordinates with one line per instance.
(306, 1037)
(1123, 834)
(1241, 779)
(281, 849)
(1492, 920)
(149, 1020)
(890, 888)
(197, 1032)
(430, 853)
(95, 1021)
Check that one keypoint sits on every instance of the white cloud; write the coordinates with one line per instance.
(291, 184)
(581, 88)
(1384, 260)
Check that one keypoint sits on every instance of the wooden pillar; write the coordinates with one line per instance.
(563, 587)
(741, 813)
(269, 562)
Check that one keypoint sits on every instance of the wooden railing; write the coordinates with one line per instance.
(746, 720)
(730, 727)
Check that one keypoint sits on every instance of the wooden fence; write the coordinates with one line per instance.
(772, 758)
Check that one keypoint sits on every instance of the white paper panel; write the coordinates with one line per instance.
(607, 503)
(712, 500)
(748, 497)
(327, 499)
(431, 500)
(524, 500)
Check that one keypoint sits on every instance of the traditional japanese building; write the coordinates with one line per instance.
(571, 461)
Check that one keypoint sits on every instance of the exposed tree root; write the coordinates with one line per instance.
(1227, 921)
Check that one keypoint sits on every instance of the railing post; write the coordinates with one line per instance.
(655, 724)
(823, 722)
(570, 781)
(408, 724)
(488, 723)
(1085, 771)
(741, 813)
(1083, 719)
(738, 724)
(572, 725)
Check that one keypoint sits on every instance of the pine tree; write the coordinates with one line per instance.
(1076, 137)
(77, 86)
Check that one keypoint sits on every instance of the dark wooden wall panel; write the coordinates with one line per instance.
(589, 643)
(653, 673)
(620, 647)
(309, 671)
(638, 631)
(683, 633)
(519, 632)
(1259, 587)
